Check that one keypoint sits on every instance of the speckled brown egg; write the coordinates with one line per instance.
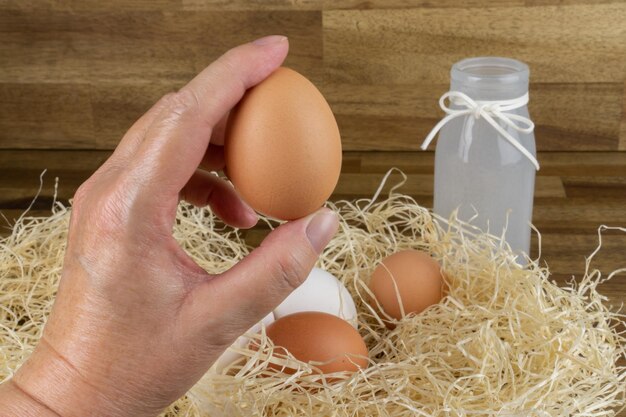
(320, 337)
(412, 275)
(282, 147)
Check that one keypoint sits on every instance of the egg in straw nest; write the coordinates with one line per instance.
(504, 341)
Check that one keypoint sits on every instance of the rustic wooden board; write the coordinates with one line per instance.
(417, 45)
(91, 47)
(75, 74)
(241, 5)
(367, 4)
(575, 192)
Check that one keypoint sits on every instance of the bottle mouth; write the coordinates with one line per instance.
(490, 70)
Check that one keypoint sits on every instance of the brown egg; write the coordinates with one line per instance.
(417, 277)
(321, 337)
(282, 147)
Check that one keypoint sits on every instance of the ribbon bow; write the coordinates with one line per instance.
(490, 111)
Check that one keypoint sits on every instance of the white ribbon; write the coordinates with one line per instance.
(490, 111)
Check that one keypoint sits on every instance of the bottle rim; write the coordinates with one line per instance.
(490, 70)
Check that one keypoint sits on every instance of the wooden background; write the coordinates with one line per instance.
(75, 74)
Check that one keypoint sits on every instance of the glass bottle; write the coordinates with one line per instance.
(477, 170)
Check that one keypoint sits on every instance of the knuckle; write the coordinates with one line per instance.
(83, 195)
(290, 270)
(183, 102)
(230, 67)
(168, 97)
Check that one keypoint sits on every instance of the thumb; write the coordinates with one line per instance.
(246, 293)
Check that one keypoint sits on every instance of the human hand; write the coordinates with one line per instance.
(136, 321)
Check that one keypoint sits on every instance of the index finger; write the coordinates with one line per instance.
(178, 139)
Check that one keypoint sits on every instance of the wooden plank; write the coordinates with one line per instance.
(566, 253)
(419, 45)
(595, 186)
(622, 129)
(369, 4)
(589, 164)
(115, 107)
(582, 214)
(82, 5)
(18, 189)
(398, 117)
(575, 191)
(40, 116)
(576, 117)
(125, 46)
(76, 116)
(38, 160)
(365, 184)
(243, 5)
(592, 164)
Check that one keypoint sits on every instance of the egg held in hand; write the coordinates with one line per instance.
(321, 291)
(311, 336)
(408, 281)
(282, 147)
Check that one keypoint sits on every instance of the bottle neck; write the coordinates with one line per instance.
(490, 78)
(481, 93)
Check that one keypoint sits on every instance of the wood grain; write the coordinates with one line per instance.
(64, 46)
(418, 45)
(56, 115)
(622, 129)
(398, 117)
(75, 74)
(243, 5)
(87, 116)
(367, 4)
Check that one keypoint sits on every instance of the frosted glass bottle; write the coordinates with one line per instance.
(476, 168)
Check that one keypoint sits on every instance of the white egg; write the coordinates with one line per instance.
(320, 292)
(229, 356)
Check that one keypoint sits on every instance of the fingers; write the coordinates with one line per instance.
(265, 277)
(219, 131)
(177, 141)
(204, 188)
(135, 135)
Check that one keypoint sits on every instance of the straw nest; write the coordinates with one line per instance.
(506, 341)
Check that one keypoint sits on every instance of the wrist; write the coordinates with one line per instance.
(15, 402)
(56, 386)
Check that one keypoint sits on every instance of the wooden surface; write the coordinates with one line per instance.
(74, 73)
(575, 193)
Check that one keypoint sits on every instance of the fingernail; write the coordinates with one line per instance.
(252, 217)
(321, 229)
(268, 40)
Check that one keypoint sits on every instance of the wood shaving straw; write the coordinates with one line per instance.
(506, 341)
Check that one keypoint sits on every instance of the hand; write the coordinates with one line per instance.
(136, 322)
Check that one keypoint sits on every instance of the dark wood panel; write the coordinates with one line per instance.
(578, 43)
(369, 4)
(45, 116)
(622, 129)
(572, 190)
(242, 5)
(96, 115)
(75, 77)
(398, 117)
(90, 5)
(138, 46)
